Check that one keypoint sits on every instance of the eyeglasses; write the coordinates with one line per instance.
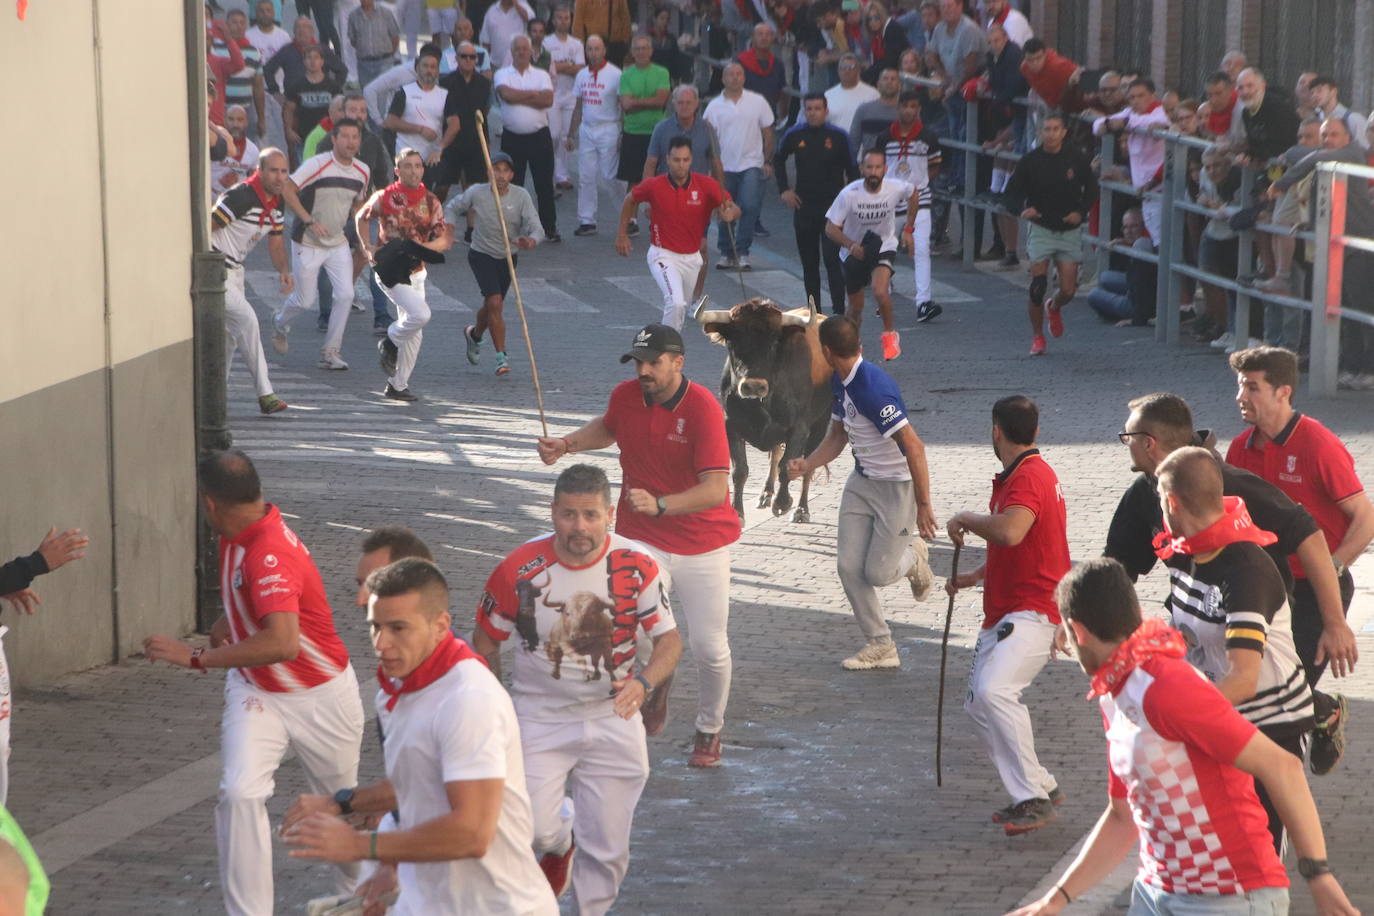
(1125, 437)
(467, 56)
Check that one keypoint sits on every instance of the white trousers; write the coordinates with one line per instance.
(920, 251)
(324, 726)
(1006, 658)
(702, 601)
(585, 778)
(560, 118)
(1152, 212)
(306, 263)
(676, 276)
(598, 159)
(242, 332)
(412, 314)
(6, 712)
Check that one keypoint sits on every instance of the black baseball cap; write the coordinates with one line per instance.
(652, 341)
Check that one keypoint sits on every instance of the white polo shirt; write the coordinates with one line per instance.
(739, 128)
(568, 50)
(462, 727)
(499, 27)
(599, 91)
(414, 105)
(523, 119)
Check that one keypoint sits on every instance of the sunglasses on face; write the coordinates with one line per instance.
(467, 56)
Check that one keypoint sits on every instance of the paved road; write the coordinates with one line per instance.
(827, 801)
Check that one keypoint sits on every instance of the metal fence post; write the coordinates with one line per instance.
(1106, 160)
(1245, 253)
(1325, 341)
(970, 213)
(1168, 283)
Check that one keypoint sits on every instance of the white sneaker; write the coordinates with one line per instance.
(362, 293)
(725, 263)
(920, 575)
(1364, 382)
(329, 359)
(1221, 343)
(280, 343)
(744, 262)
(1345, 381)
(873, 655)
(1248, 343)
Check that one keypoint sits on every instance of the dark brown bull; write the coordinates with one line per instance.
(584, 627)
(776, 390)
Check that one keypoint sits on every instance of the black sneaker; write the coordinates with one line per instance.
(553, 238)
(1328, 739)
(761, 230)
(388, 352)
(467, 235)
(1031, 814)
(1002, 814)
(1009, 262)
(584, 230)
(400, 394)
(927, 310)
(632, 228)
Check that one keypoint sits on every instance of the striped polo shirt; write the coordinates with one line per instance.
(328, 191)
(238, 90)
(240, 219)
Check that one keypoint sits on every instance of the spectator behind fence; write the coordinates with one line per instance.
(1217, 251)
(887, 40)
(1284, 328)
(1146, 152)
(1053, 77)
(1324, 94)
(1270, 121)
(920, 24)
(1125, 292)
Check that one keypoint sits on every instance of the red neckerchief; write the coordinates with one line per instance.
(875, 44)
(1001, 20)
(450, 651)
(240, 146)
(1152, 638)
(1219, 122)
(1052, 79)
(1234, 526)
(907, 138)
(750, 61)
(397, 196)
(1157, 104)
(269, 204)
(327, 123)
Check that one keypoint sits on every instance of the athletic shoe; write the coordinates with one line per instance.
(1225, 340)
(329, 359)
(1010, 262)
(502, 366)
(380, 330)
(1003, 814)
(400, 394)
(1328, 739)
(920, 575)
(743, 262)
(761, 230)
(1056, 316)
(558, 868)
(270, 403)
(362, 294)
(564, 185)
(280, 343)
(1029, 815)
(725, 263)
(928, 310)
(474, 346)
(388, 352)
(892, 344)
(995, 253)
(1037, 346)
(467, 235)
(553, 238)
(654, 712)
(585, 230)
(705, 751)
(1364, 382)
(873, 655)
(632, 229)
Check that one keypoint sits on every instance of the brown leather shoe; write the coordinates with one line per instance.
(706, 751)
(654, 712)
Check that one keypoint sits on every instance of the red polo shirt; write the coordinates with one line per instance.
(663, 447)
(1309, 464)
(1024, 577)
(679, 215)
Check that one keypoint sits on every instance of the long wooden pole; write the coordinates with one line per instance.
(944, 651)
(510, 265)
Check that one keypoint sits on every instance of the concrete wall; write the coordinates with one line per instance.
(96, 393)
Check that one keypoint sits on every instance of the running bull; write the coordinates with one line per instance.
(776, 390)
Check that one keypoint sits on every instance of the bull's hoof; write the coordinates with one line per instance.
(781, 505)
(802, 515)
(765, 499)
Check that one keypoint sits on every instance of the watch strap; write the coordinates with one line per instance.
(1312, 868)
(344, 799)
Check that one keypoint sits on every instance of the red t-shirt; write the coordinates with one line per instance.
(1172, 741)
(267, 570)
(678, 216)
(663, 447)
(1023, 578)
(1309, 464)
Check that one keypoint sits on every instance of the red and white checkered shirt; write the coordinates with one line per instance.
(1171, 740)
(265, 570)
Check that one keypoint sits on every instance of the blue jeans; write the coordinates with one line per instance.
(1264, 901)
(746, 188)
(381, 318)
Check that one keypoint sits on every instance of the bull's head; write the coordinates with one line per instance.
(753, 332)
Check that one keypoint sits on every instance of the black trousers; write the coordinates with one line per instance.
(814, 246)
(1307, 630)
(1295, 745)
(534, 151)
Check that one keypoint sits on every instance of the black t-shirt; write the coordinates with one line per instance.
(312, 101)
(1056, 184)
(465, 99)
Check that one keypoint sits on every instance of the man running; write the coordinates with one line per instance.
(863, 222)
(575, 600)
(681, 203)
(674, 499)
(453, 764)
(1027, 554)
(823, 167)
(1053, 188)
(1202, 850)
(913, 155)
(885, 511)
(323, 194)
(241, 217)
(405, 212)
(1311, 465)
(487, 252)
(291, 683)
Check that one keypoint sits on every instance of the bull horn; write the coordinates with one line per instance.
(707, 316)
(790, 320)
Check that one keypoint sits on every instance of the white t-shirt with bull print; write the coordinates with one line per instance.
(574, 627)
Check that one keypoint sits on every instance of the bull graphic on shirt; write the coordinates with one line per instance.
(585, 626)
(525, 624)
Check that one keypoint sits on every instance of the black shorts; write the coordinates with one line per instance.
(492, 274)
(859, 271)
(634, 149)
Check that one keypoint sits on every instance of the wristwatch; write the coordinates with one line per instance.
(1340, 567)
(196, 663)
(1311, 868)
(344, 799)
(662, 505)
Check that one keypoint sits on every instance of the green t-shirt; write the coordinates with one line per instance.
(37, 900)
(642, 84)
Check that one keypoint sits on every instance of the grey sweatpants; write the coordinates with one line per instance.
(877, 523)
